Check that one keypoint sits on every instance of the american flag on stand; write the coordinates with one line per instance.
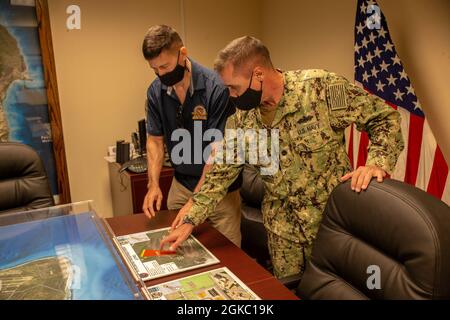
(378, 70)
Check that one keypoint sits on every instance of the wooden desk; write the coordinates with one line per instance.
(230, 256)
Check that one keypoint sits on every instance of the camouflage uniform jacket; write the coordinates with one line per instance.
(311, 117)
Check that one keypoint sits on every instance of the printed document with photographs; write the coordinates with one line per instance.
(142, 253)
(218, 284)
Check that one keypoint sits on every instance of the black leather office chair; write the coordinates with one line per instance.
(254, 236)
(401, 229)
(23, 181)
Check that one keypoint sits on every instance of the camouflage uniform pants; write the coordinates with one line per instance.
(288, 257)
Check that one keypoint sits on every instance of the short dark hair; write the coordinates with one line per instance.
(159, 38)
(245, 52)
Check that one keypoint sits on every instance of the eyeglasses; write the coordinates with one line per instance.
(180, 124)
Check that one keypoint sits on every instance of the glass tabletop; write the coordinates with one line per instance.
(61, 253)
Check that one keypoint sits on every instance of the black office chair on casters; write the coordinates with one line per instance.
(23, 181)
(392, 231)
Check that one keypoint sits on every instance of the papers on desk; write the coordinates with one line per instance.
(142, 253)
(218, 284)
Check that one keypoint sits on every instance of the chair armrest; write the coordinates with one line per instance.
(291, 282)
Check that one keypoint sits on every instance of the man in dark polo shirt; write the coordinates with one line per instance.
(184, 102)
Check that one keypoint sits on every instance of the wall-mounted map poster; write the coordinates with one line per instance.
(24, 101)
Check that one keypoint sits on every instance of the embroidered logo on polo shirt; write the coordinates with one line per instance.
(199, 113)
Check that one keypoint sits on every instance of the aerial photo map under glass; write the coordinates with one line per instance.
(61, 258)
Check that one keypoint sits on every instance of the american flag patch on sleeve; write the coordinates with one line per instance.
(337, 98)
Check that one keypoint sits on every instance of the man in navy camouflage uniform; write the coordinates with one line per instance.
(310, 109)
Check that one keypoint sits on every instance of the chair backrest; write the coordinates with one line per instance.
(23, 180)
(252, 189)
(389, 242)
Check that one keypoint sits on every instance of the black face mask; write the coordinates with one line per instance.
(249, 100)
(173, 77)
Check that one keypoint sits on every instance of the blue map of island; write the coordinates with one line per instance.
(75, 243)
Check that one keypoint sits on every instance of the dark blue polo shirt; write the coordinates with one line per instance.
(206, 104)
